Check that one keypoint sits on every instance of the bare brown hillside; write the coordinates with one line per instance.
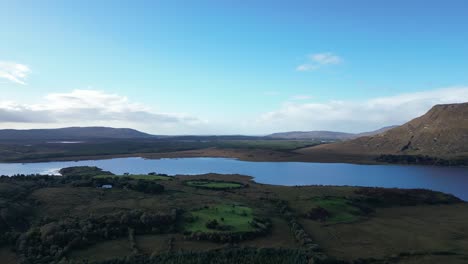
(441, 132)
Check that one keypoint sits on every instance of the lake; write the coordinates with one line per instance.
(445, 179)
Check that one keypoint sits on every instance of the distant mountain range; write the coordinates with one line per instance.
(325, 135)
(441, 132)
(72, 133)
(88, 133)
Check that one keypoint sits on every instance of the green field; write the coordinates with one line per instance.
(138, 177)
(236, 218)
(340, 209)
(214, 184)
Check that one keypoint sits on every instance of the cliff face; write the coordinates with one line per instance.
(441, 132)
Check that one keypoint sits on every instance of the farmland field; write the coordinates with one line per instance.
(234, 217)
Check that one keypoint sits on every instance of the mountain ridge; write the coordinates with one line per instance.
(72, 133)
(325, 135)
(440, 132)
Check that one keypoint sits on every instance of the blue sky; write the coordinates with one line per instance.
(252, 67)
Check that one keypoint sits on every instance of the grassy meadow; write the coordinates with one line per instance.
(234, 218)
(207, 184)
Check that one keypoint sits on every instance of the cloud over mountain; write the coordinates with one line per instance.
(358, 116)
(89, 107)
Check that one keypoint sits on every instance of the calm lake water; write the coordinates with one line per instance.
(445, 179)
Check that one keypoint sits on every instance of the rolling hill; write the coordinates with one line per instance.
(441, 132)
(325, 135)
(71, 133)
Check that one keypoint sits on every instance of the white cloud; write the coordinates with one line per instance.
(91, 107)
(14, 72)
(358, 116)
(98, 108)
(327, 58)
(307, 67)
(318, 60)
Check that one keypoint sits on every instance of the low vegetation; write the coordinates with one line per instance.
(334, 210)
(224, 223)
(220, 218)
(214, 185)
(422, 160)
(71, 219)
(224, 256)
(51, 241)
(138, 177)
(393, 197)
(16, 151)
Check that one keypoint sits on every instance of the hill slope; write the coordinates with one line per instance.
(71, 133)
(325, 135)
(373, 133)
(441, 132)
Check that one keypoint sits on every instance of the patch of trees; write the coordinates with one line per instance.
(223, 256)
(318, 214)
(50, 242)
(15, 208)
(422, 160)
(261, 228)
(384, 197)
(122, 182)
(84, 177)
(83, 172)
(214, 224)
(33, 182)
(147, 187)
(13, 221)
(299, 232)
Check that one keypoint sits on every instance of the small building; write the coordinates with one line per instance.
(106, 186)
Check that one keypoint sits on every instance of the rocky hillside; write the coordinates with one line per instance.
(441, 132)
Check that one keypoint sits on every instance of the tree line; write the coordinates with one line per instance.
(50, 242)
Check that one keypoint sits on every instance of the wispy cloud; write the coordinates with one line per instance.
(357, 116)
(318, 60)
(14, 72)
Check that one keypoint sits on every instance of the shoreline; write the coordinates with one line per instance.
(257, 155)
(236, 154)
